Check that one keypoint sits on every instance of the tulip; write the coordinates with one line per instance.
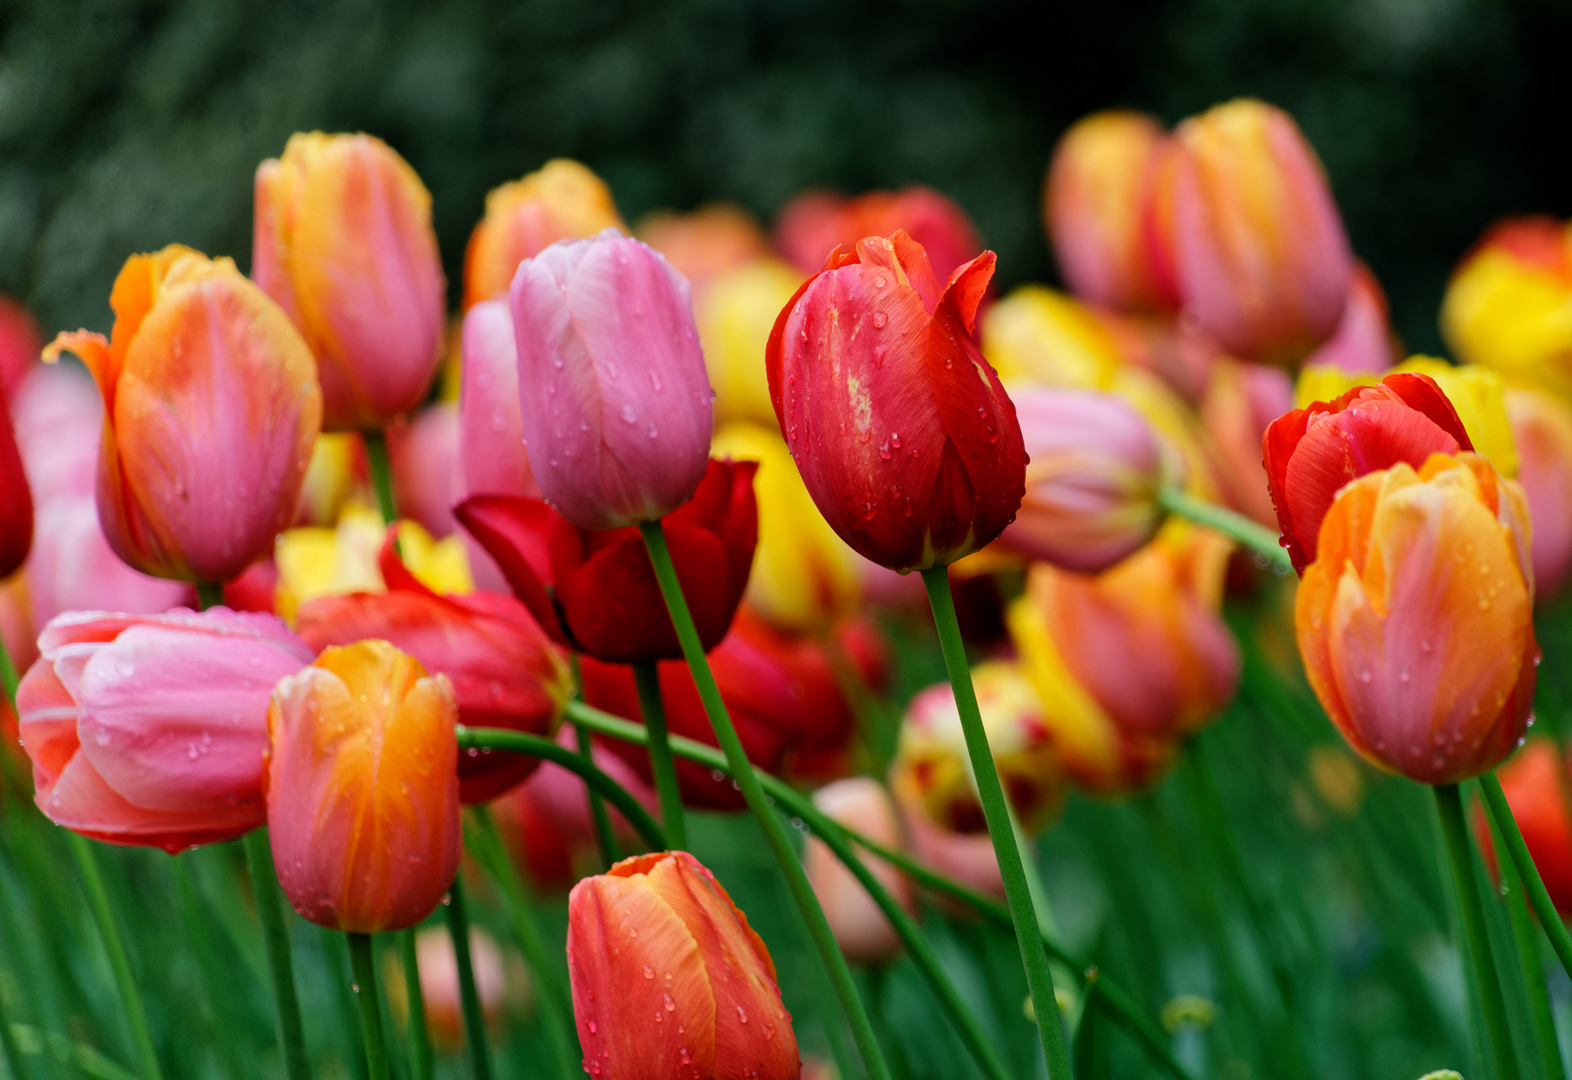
(337, 477)
(1311, 453)
(505, 672)
(439, 984)
(860, 928)
(735, 314)
(58, 415)
(596, 591)
(670, 981)
(610, 450)
(1041, 336)
(1542, 430)
(813, 224)
(423, 457)
(562, 201)
(210, 409)
(1535, 785)
(1415, 620)
(966, 857)
(150, 730)
(1129, 661)
(706, 243)
(19, 346)
(343, 240)
(1176, 351)
(16, 500)
(1258, 251)
(1094, 473)
(1241, 400)
(492, 458)
(72, 568)
(362, 789)
(1095, 207)
(900, 428)
(1363, 341)
(1509, 303)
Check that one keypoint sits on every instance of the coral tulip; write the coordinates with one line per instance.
(362, 789)
(710, 241)
(612, 388)
(860, 928)
(669, 980)
(1415, 621)
(1095, 206)
(210, 409)
(595, 591)
(150, 730)
(1258, 250)
(1363, 340)
(1094, 473)
(816, 222)
(900, 428)
(1535, 783)
(16, 500)
(1311, 453)
(1542, 430)
(735, 314)
(1240, 402)
(492, 458)
(563, 200)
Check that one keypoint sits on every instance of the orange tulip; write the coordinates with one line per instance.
(860, 928)
(362, 788)
(707, 242)
(1415, 620)
(211, 407)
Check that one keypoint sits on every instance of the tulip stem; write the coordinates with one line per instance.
(367, 994)
(1235, 526)
(759, 804)
(281, 967)
(647, 675)
(1534, 886)
(610, 850)
(419, 1038)
(990, 792)
(469, 998)
(1454, 834)
(209, 594)
(376, 443)
(8, 679)
(119, 959)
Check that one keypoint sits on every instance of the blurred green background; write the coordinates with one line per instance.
(128, 124)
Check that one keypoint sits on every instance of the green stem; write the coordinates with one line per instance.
(1544, 907)
(469, 997)
(1257, 538)
(419, 1038)
(753, 794)
(13, 1052)
(209, 594)
(8, 678)
(364, 966)
(610, 850)
(119, 960)
(281, 968)
(200, 930)
(376, 444)
(1454, 834)
(996, 812)
(647, 676)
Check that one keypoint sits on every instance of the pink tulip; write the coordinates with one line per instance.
(73, 568)
(150, 730)
(492, 458)
(1542, 430)
(424, 458)
(612, 386)
(1363, 343)
(864, 934)
(58, 415)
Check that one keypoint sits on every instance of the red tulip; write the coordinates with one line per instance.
(16, 501)
(1311, 453)
(902, 431)
(595, 591)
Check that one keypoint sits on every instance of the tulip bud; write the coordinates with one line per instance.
(343, 240)
(439, 984)
(1535, 785)
(622, 432)
(210, 409)
(1363, 341)
(669, 980)
(1095, 206)
(1311, 453)
(492, 458)
(860, 928)
(1258, 249)
(710, 241)
(1094, 473)
(1415, 620)
(1542, 430)
(150, 730)
(362, 789)
(735, 314)
(1036, 335)
(563, 200)
(16, 500)
(901, 430)
(812, 225)
(1241, 400)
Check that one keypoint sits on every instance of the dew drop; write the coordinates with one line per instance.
(742, 1015)
(879, 319)
(629, 414)
(649, 972)
(668, 1003)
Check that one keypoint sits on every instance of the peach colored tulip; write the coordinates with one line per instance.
(343, 240)
(210, 409)
(1415, 621)
(362, 789)
(1542, 431)
(864, 934)
(707, 242)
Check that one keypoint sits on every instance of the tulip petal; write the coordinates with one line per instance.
(513, 531)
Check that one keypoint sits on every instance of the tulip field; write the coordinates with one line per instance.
(710, 653)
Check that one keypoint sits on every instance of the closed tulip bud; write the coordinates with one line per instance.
(1241, 400)
(492, 458)
(1310, 453)
(1535, 783)
(901, 430)
(210, 409)
(1542, 430)
(932, 767)
(1364, 341)
(1096, 467)
(1258, 250)
(669, 980)
(706, 243)
(860, 928)
(343, 240)
(150, 730)
(562, 200)
(612, 387)
(735, 314)
(813, 224)
(1095, 205)
(362, 789)
(16, 500)
(1037, 335)
(1415, 621)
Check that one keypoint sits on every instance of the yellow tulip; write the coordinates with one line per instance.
(735, 312)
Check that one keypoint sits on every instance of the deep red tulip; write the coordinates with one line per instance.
(595, 591)
(1311, 453)
(16, 501)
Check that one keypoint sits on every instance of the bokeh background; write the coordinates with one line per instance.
(129, 124)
